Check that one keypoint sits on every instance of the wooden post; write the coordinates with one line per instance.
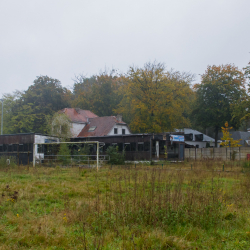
(34, 155)
(97, 164)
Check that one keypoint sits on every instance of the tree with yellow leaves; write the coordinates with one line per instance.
(228, 141)
(155, 100)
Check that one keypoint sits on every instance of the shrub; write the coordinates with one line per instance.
(8, 161)
(64, 153)
(246, 164)
(115, 156)
(82, 151)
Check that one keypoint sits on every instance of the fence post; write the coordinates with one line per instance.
(191, 166)
(135, 165)
(223, 167)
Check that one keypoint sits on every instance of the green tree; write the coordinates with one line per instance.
(241, 111)
(222, 88)
(99, 93)
(114, 156)
(155, 100)
(59, 125)
(9, 108)
(28, 111)
(64, 154)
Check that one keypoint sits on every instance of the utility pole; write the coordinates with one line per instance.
(2, 117)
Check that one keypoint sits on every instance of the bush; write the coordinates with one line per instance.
(246, 164)
(115, 157)
(8, 161)
(64, 153)
(82, 151)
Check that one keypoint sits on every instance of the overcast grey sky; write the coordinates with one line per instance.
(62, 38)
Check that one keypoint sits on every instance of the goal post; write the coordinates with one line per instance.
(59, 143)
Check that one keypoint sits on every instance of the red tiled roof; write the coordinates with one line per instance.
(78, 115)
(103, 126)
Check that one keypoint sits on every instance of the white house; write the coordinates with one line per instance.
(196, 138)
(85, 123)
(106, 125)
(78, 119)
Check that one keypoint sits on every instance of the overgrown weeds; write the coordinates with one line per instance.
(124, 208)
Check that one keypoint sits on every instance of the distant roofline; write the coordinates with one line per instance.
(167, 133)
(31, 133)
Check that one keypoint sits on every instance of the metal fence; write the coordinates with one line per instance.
(235, 153)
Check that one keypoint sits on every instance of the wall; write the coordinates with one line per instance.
(41, 139)
(217, 153)
(76, 128)
(119, 130)
(202, 144)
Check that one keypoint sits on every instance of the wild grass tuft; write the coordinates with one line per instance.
(147, 207)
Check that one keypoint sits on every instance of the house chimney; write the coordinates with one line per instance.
(119, 118)
(77, 110)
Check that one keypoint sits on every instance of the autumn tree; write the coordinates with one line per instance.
(221, 88)
(227, 140)
(99, 93)
(155, 100)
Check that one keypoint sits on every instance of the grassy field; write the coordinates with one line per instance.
(147, 207)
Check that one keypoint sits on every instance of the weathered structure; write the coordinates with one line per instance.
(85, 123)
(20, 146)
(137, 147)
(142, 146)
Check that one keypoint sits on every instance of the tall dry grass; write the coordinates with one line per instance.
(147, 207)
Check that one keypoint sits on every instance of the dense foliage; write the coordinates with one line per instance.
(150, 99)
(27, 111)
(221, 90)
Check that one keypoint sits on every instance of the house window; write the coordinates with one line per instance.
(91, 129)
(20, 148)
(133, 146)
(106, 146)
(26, 147)
(147, 146)
(127, 147)
(10, 148)
(14, 147)
(123, 131)
(115, 131)
(40, 148)
(120, 147)
(140, 146)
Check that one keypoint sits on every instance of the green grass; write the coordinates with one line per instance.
(125, 208)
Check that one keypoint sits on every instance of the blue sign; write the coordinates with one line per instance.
(177, 138)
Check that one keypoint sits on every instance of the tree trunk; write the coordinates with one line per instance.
(216, 136)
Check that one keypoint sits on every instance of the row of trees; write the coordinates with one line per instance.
(151, 99)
